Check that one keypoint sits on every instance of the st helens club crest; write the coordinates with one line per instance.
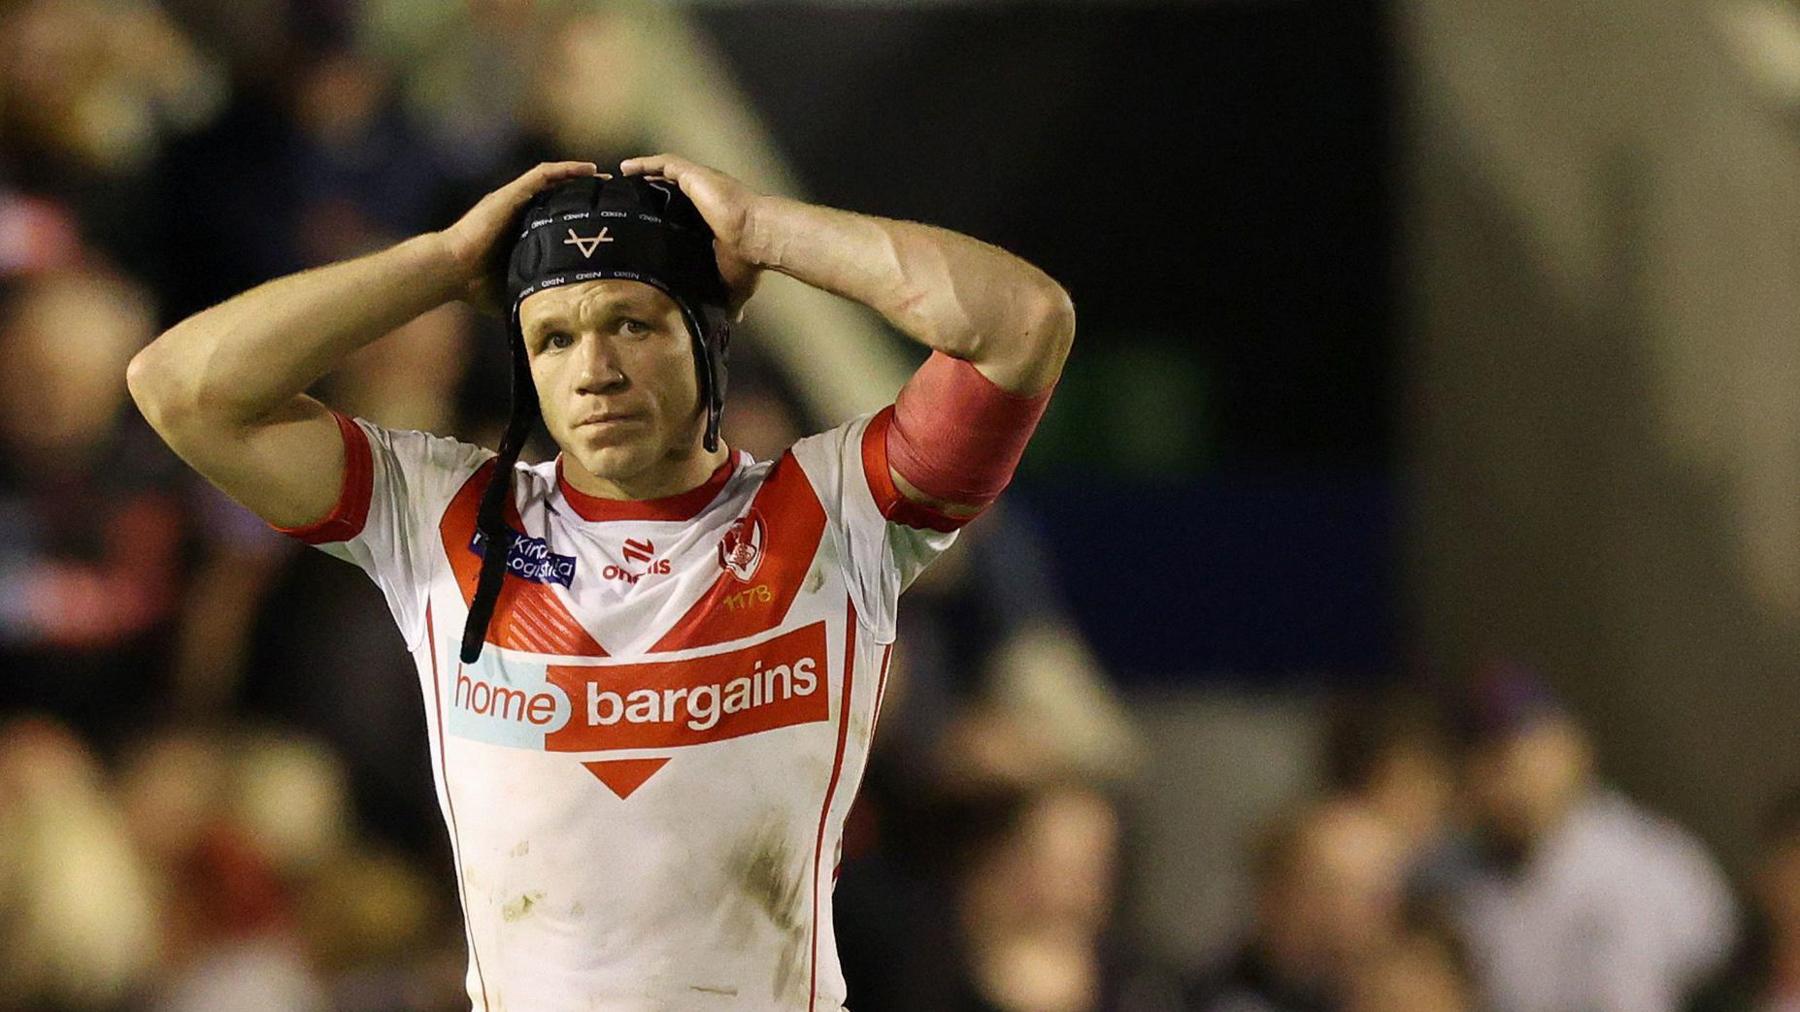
(741, 550)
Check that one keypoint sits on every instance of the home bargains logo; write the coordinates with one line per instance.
(780, 682)
(777, 683)
(530, 559)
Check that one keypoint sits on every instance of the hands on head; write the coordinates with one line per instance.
(475, 241)
(729, 208)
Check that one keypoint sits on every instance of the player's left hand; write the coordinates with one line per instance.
(728, 207)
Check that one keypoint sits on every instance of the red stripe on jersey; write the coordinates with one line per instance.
(347, 517)
(680, 506)
(437, 698)
(880, 691)
(732, 608)
(837, 765)
(893, 503)
(527, 616)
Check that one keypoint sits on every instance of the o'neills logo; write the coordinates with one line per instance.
(776, 683)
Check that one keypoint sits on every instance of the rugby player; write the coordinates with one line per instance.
(652, 666)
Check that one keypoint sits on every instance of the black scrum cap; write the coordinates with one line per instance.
(592, 229)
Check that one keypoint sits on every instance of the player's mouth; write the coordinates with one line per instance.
(607, 419)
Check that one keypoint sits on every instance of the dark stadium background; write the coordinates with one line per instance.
(1434, 385)
(1213, 184)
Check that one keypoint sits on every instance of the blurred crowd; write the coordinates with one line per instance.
(207, 803)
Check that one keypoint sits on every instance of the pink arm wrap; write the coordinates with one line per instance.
(956, 437)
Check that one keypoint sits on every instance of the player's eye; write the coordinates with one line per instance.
(634, 327)
(558, 339)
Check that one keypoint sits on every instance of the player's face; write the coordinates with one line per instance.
(614, 368)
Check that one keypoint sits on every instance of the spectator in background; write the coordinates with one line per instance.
(1328, 886)
(235, 823)
(269, 898)
(37, 234)
(1778, 899)
(119, 573)
(90, 92)
(1032, 901)
(78, 923)
(1031, 876)
(1418, 972)
(1765, 976)
(92, 86)
(1393, 752)
(1576, 898)
(91, 525)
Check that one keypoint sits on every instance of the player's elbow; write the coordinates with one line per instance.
(1051, 320)
(150, 383)
(163, 391)
(1025, 356)
(1058, 313)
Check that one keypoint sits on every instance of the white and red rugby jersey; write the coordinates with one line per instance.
(646, 774)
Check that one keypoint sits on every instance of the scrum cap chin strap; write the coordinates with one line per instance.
(619, 228)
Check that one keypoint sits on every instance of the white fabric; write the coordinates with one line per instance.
(709, 885)
(1618, 911)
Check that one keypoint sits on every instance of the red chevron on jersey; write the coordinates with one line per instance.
(732, 609)
(652, 763)
(527, 616)
(623, 776)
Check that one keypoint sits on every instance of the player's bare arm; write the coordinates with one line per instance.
(950, 292)
(724, 621)
(955, 294)
(224, 388)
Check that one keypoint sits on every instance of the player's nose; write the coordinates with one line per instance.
(600, 367)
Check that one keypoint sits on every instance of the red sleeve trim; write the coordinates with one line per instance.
(346, 519)
(893, 503)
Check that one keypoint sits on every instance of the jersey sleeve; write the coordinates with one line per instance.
(396, 487)
(884, 540)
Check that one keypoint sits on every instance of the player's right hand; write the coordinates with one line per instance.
(475, 241)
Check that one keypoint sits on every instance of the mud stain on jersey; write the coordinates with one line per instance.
(790, 971)
(729, 992)
(828, 556)
(767, 872)
(521, 906)
(764, 870)
(814, 580)
(523, 848)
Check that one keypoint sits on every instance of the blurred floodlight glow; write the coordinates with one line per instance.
(1764, 35)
